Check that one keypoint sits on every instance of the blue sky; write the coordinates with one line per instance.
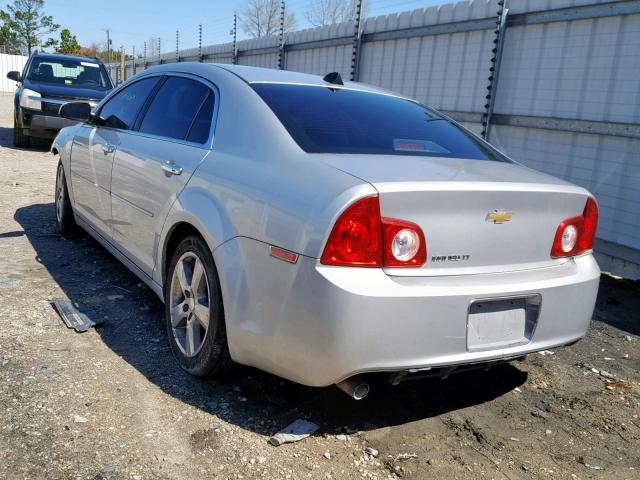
(132, 22)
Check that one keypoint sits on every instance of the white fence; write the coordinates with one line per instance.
(7, 64)
(567, 101)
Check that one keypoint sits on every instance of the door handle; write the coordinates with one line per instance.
(171, 168)
(108, 148)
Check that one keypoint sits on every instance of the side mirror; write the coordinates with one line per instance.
(15, 76)
(79, 111)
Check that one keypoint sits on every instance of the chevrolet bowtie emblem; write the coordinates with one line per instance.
(498, 216)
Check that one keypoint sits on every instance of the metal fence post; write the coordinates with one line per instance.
(494, 70)
(234, 59)
(281, 37)
(159, 52)
(133, 62)
(200, 43)
(357, 37)
(123, 66)
(144, 56)
(177, 46)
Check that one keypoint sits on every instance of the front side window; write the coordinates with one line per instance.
(335, 120)
(174, 110)
(69, 72)
(122, 109)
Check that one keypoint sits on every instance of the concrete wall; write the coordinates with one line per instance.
(586, 68)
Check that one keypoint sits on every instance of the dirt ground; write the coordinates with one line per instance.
(111, 403)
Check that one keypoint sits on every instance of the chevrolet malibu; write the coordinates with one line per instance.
(320, 229)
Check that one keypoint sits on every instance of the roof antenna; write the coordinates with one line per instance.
(333, 77)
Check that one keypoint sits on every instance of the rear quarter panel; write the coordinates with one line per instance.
(257, 183)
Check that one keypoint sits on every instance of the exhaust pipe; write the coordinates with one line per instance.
(355, 387)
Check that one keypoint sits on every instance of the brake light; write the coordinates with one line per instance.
(362, 238)
(576, 235)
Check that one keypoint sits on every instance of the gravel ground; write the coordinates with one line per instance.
(112, 404)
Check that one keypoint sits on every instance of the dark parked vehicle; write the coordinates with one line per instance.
(47, 82)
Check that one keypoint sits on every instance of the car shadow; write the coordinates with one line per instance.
(133, 328)
(616, 298)
(37, 144)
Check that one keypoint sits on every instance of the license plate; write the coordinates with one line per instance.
(501, 323)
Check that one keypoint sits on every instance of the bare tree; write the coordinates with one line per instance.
(261, 18)
(327, 12)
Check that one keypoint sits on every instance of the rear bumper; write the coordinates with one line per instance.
(318, 325)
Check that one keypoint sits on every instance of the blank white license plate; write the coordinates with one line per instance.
(496, 323)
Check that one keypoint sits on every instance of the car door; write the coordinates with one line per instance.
(155, 160)
(93, 152)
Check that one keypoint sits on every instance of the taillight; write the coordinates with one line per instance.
(356, 238)
(361, 237)
(576, 235)
(404, 244)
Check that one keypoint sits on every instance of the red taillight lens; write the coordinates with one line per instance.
(356, 238)
(362, 238)
(577, 234)
(590, 214)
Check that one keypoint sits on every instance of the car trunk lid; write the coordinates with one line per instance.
(477, 216)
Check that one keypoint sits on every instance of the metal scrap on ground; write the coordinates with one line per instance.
(72, 317)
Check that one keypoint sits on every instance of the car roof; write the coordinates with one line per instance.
(63, 56)
(263, 75)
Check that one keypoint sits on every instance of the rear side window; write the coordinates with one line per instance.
(175, 107)
(334, 120)
(122, 109)
(201, 126)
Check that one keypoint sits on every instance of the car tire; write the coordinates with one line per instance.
(20, 140)
(65, 221)
(194, 310)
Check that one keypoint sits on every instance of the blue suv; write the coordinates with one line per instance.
(47, 82)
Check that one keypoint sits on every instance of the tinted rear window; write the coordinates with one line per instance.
(201, 125)
(174, 108)
(326, 120)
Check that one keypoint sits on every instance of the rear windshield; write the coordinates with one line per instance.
(334, 120)
(70, 72)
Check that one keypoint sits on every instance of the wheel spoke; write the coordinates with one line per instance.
(197, 277)
(181, 275)
(191, 341)
(202, 315)
(178, 315)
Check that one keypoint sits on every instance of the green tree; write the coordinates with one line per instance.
(9, 42)
(68, 43)
(27, 21)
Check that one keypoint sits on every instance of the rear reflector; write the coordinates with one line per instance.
(577, 234)
(282, 254)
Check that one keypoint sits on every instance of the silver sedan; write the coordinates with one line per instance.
(320, 229)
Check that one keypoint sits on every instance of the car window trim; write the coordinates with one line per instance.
(109, 97)
(147, 106)
(200, 107)
(147, 103)
(213, 89)
(208, 145)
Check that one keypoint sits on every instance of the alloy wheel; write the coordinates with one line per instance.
(190, 298)
(60, 194)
